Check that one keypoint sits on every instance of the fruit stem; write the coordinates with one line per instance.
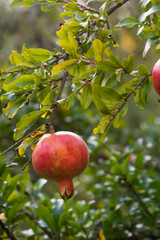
(49, 128)
(65, 187)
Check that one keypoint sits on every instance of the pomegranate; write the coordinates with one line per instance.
(60, 157)
(156, 76)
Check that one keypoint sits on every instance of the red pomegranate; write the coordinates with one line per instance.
(60, 157)
(156, 76)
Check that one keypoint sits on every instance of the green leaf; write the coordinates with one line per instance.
(97, 80)
(13, 107)
(107, 93)
(100, 105)
(116, 168)
(17, 3)
(143, 70)
(119, 115)
(73, 27)
(148, 45)
(70, 44)
(127, 22)
(14, 206)
(144, 3)
(127, 87)
(2, 166)
(71, 100)
(25, 123)
(124, 168)
(64, 216)
(44, 213)
(139, 161)
(48, 100)
(62, 66)
(88, 73)
(77, 69)
(73, 43)
(57, 210)
(103, 126)
(129, 63)
(105, 6)
(112, 81)
(71, 6)
(61, 33)
(107, 66)
(11, 185)
(98, 50)
(48, 6)
(9, 96)
(18, 83)
(36, 55)
(86, 96)
(152, 10)
(24, 145)
(141, 93)
(105, 33)
(112, 57)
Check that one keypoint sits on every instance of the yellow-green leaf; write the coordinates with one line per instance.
(17, 60)
(24, 145)
(98, 49)
(62, 66)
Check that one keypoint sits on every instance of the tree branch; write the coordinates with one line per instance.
(63, 81)
(21, 140)
(27, 163)
(83, 7)
(45, 230)
(115, 6)
(126, 99)
(7, 230)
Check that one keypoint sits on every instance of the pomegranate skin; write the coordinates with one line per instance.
(60, 157)
(156, 76)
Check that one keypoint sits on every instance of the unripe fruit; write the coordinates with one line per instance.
(156, 76)
(60, 157)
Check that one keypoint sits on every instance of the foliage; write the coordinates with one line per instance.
(122, 187)
(121, 197)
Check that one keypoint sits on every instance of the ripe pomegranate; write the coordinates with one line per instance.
(60, 157)
(156, 76)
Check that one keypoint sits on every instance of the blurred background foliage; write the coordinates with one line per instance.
(118, 195)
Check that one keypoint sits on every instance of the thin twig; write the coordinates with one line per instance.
(86, 82)
(83, 7)
(115, 6)
(126, 99)
(7, 230)
(27, 163)
(63, 81)
(111, 10)
(21, 140)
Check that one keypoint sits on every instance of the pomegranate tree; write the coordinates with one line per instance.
(156, 76)
(60, 157)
